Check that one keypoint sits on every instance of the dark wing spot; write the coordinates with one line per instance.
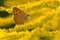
(19, 12)
(22, 12)
(16, 13)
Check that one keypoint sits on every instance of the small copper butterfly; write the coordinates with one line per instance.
(19, 15)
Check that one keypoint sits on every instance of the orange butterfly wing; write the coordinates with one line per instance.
(19, 16)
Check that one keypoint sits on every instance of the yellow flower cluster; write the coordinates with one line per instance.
(44, 22)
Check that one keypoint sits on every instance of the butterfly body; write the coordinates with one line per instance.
(19, 16)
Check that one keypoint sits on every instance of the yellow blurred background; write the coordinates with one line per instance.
(44, 22)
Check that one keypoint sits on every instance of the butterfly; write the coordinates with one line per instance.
(19, 16)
